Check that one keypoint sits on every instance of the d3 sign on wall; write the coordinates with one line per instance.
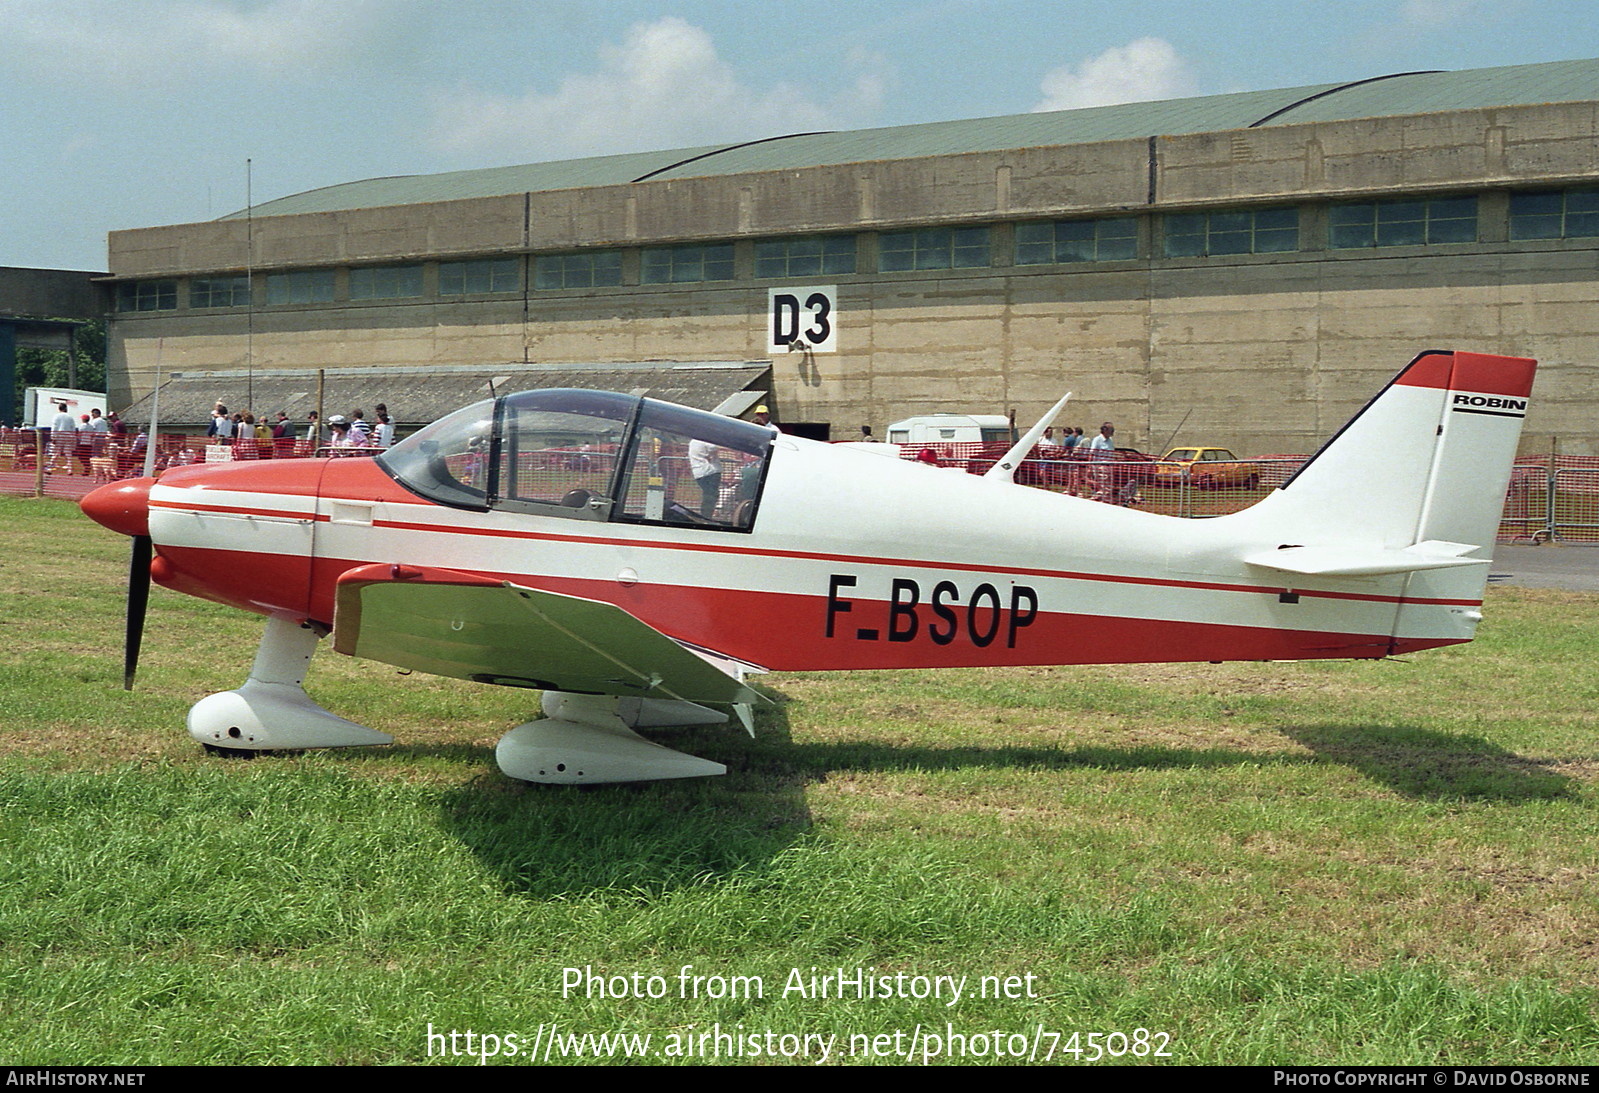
(806, 315)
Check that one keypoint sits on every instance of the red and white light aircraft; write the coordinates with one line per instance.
(635, 559)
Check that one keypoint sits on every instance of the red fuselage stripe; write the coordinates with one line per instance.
(816, 556)
(800, 632)
(910, 563)
(237, 510)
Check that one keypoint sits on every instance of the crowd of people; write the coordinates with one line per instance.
(78, 443)
(339, 431)
(1109, 481)
(82, 438)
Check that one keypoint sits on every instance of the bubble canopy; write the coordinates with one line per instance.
(589, 455)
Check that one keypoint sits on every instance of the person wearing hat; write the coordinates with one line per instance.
(763, 416)
(343, 435)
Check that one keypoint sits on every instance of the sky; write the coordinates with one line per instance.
(120, 114)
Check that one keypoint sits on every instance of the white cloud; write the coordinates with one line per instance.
(1141, 70)
(663, 86)
(161, 42)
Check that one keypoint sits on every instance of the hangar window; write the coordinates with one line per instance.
(1237, 231)
(147, 296)
(481, 276)
(805, 256)
(302, 286)
(1554, 214)
(219, 292)
(1403, 223)
(679, 265)
(933, 248)
(385, 282)
(1046, 242)
(588, 269)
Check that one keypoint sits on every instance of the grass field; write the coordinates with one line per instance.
(1388, 862)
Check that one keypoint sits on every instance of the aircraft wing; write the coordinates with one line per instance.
(450, 623)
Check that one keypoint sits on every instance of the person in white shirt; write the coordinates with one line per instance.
(63, 435)
(1102, 449)
(99, 431)
(706, 467)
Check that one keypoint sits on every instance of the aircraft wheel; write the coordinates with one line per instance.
(230, 753)
(249, 753)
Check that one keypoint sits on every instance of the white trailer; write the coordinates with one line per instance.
(951, 429)
(40, 405)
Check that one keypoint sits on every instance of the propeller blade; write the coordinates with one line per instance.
(138, 599)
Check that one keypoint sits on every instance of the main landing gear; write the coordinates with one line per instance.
(581, 739)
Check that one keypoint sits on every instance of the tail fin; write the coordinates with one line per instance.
(1419, 474)
(1408, 495)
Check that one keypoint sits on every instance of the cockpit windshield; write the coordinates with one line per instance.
(447, 461)
(590, 455)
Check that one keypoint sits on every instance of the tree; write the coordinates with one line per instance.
(49, 367)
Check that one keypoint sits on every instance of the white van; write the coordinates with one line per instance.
(951, 429)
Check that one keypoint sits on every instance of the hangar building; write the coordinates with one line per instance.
(1241, 269)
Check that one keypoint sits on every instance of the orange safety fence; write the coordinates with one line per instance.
(1550, 498)
(1553, 498)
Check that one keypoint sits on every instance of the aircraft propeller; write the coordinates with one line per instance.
(125, 507)
(138, 600)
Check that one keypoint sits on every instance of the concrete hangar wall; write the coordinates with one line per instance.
(1250, 281)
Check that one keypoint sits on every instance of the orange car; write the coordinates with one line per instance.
(1207, 469)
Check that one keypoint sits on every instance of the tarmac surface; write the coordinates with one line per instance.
(1572, 568)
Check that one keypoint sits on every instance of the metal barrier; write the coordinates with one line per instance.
(1550, 498)
(1198, 490)
(1553, 498)
(1528, 511)
(1574, 504)
(1190, 490)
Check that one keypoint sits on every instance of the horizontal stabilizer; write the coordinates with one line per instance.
(467, 626)
(1359, 561)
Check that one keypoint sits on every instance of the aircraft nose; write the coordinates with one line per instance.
(121, 506)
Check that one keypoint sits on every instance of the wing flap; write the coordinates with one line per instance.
(462, 625)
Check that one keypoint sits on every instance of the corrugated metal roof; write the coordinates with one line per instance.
(1406, 93)
(1474, 89)
(415, 395)
(484, 182)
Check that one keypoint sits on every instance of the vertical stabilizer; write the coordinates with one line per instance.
(1427, 460)
(1405, 501)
